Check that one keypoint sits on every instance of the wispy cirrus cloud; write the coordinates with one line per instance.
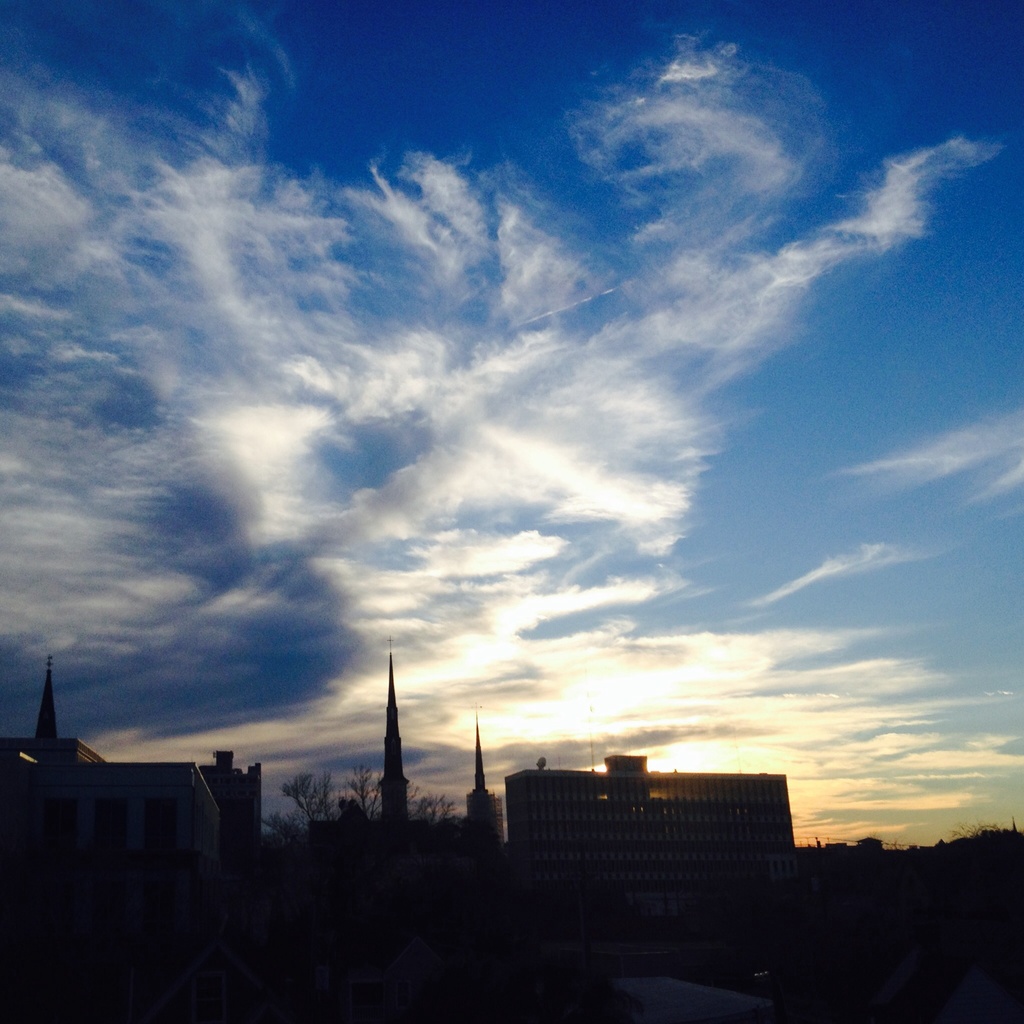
(897, 207)
(867, 558)
(993, 450)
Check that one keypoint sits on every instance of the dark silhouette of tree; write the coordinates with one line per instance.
(364, 786)
(432, 808)
(972, 830)
(315, 799)
(283, 829)
(314, 795)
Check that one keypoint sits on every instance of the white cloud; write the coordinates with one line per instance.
(471, 553)
(897, 207)
(43, 220)
(867, 558)
(993, 448)
(537, 275)
(693, 119)
(270, 447)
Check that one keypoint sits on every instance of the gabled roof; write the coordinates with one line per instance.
(264, 1010)
(944, 990)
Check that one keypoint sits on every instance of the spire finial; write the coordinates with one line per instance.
(46, 723)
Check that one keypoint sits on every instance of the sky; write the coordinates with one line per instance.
(646, 378)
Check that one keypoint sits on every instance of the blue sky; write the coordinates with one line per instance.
(652, 377)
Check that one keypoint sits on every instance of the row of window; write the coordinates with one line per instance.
(110, 823)
(655, 831)
(651, 861)
(623, 841)
(616, 851)
(587, 790)
(668, 811)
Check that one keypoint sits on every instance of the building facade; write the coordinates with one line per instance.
(110, 848)
(239, 797)
(102, 848)
(658, 838)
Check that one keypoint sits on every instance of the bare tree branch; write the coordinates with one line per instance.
(433, 808)
(314, 795)
(284, 829)
(364, 786)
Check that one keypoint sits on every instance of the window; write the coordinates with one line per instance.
(161, 824)
(60, 823)
(111, 824)
(209, 1003)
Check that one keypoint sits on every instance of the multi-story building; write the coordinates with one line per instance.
(239, 797)
(656, 837)
(103, 848)
(113, 848)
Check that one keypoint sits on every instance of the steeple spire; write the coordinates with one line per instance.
(46, 723)
(479, 786)
(482, 805)
(393, 784)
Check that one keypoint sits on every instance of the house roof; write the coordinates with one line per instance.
(264, 1010)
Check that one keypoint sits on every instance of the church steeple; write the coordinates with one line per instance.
(393, 784)
(46, 723)
(479, 784)
(482, 805)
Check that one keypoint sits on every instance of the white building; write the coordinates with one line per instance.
(101, 847)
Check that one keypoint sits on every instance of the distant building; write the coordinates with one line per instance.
(481, 804)
(394, 786)
(239, 798)
(656, 837)
(103, 848)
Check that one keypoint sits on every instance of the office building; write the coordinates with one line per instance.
(103, 848)
(656, 837)
(239, 797)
